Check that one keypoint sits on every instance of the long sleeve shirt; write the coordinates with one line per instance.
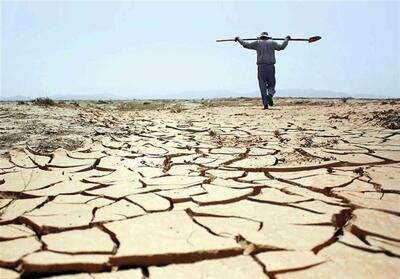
(265, 49)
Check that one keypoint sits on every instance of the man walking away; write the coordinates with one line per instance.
(265, 48)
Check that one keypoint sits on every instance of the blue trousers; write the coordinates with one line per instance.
(266, 81)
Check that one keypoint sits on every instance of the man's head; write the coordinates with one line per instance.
(264, 36)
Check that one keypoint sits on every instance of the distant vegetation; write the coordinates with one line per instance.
(44, 102)
(345, 99)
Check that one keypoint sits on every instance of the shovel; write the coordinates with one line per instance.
(310, 40)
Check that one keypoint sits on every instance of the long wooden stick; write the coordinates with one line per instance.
(310, 40)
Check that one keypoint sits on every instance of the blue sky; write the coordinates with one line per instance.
(162, 49)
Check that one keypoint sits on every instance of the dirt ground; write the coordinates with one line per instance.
(200, 189)
(71, 124)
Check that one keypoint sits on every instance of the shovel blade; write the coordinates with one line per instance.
(314, 39)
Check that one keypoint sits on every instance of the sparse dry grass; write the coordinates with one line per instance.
(304, 102)
(388, 118)
(46, 102)
(142, 105)
(306, 141)
(230, 102)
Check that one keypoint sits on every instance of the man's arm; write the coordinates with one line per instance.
(282, 46)
(252, 45)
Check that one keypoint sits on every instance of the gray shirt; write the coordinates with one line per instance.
(265, 49)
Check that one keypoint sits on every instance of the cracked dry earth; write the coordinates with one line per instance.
(208, 193)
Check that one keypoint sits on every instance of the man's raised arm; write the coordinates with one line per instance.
(252, 45)
(282, 46)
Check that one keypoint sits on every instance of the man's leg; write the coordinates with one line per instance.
(271, 84)
(262, 83)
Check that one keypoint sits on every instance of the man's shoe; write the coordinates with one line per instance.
(270, 101)
(265, 107)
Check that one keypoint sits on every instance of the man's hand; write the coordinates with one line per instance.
(237, 39)
(288, 37)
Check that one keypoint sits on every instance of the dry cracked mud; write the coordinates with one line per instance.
(229, 191)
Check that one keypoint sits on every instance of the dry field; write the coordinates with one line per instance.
(200, 189)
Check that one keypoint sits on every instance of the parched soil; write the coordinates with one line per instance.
(200, 189)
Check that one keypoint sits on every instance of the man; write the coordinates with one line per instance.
(265, 48)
